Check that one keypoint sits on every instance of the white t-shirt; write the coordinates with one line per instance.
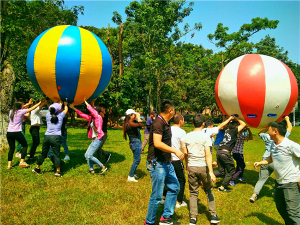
(195, 142)
(210, 132)
(94, 133)
(36, 116)
(178, 135)
(285, 158)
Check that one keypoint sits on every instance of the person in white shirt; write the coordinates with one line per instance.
(285, 157)
(199, 167)
(178, 137)
(36, 122)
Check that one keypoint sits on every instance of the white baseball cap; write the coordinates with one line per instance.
(130, 111)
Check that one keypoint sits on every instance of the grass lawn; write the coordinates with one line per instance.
(81, 198)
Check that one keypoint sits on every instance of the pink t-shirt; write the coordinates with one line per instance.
(16, 124)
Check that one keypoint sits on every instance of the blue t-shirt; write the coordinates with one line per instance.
(219, 137)
(54, 128)
(148, 123)
(268, 141)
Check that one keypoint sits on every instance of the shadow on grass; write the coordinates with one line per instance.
(263, 218)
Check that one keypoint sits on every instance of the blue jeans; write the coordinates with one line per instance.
(64, 142)
(89, 154)
(135, 146)
(162, 173)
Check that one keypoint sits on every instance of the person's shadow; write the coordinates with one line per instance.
(263, 218)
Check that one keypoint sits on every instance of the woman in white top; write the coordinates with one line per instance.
(36, 121)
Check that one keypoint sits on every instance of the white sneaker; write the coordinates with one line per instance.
(180, 205)
(131, 179)
(18, 155)
(67, 157)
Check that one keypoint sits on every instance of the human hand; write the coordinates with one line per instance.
(256, 165)
(71, 106)
(287, 118)
(212, 177)
(30, 101)
(65, 103)
(179, 154)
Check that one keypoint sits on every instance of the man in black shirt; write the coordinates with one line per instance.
(224, 158)
(160, 168)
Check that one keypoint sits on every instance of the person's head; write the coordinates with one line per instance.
(198, 120)
(130, 115)
(98, 109)
(16, 107)
(167, 108)
(233, 124)
(209, 123)
(152, 114)
(102, 107)
(54, 110)
(178, 119)
(277, 129)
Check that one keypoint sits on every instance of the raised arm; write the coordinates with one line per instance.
(33, 107)
(66, 108)
(242, 125)
(250, 136)
(28, 103)
(43, 103)
(79, 113)
(225, 122)
(288, 123)
(263, 131)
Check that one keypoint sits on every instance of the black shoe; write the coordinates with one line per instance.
(193, 221)
(164, 221)
(107, 158)
(37, 171)
(224, 190)
(215, 219)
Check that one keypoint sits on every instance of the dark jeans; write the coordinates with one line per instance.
(11, 138)
(135, 146)
(287, 199)
(240, 165)
(225, 161)
(53, 141)
(179, 171)
(35, 134)
(100, 151)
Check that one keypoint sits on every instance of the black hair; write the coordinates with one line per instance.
(102, 105)
(16, 107)
(54, 118)
(209, 122)
(233, 124)
(280, 127)
(198, 120)
(177, 118)
(127, 118)
(166, 105)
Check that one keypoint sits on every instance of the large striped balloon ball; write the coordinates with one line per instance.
(69, 62)
(258, 88)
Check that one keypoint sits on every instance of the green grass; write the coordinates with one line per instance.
(80, 198)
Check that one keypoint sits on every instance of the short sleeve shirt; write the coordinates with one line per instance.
(54, 128)
(148, 123)
(15, 125)
(178, 135)
(239, 145)
(229, 139)
(161, 127)
(285, 158)
(36, 116)
(267, 139)
(210, 132)
(195, 142)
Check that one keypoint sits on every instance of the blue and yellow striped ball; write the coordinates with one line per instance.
(69, 62)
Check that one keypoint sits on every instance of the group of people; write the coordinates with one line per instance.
(168, 147)
(56, 134)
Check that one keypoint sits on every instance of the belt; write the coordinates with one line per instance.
(225, 150)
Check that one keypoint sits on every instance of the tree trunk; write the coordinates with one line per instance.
(121, 31)
(7, 87)
(109, 45)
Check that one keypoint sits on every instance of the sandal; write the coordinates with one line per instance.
(9, 168)
(24, 165)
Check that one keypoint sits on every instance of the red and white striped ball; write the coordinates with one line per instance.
(259, 89)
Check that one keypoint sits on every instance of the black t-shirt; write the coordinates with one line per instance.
(229, 139)
(132, 129)
(159, 126)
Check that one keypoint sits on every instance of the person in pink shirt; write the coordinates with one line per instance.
(14, 132)
(95, 132)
